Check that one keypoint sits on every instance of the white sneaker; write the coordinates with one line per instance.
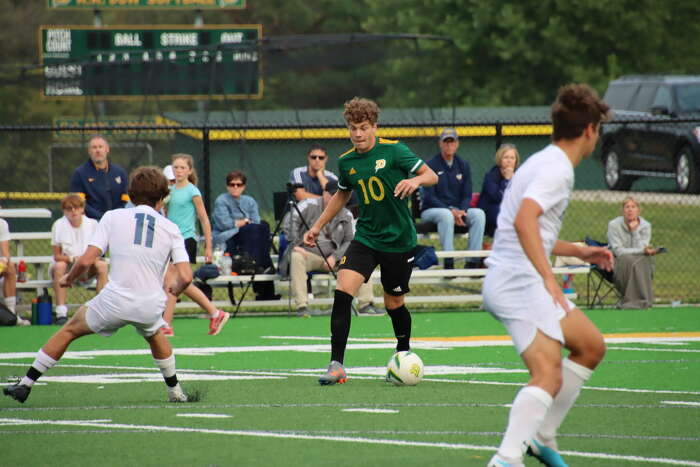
(176, 394)
(498, 461)
(22, 322)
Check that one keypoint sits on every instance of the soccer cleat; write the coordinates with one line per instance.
(18, 392)
(216, 324)
(22, 322)
(545, 454)
(335, 374)
(167, 330)
(176, 394)
(498, 461)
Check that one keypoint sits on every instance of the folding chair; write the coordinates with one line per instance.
(600, 283)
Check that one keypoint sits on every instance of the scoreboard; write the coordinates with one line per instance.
(176, 62)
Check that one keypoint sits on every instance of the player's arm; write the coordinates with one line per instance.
(425, 176)
(527, 227)
(337, 202)
(601, 256)
(206, 226)
(81, 265)
(182, 279)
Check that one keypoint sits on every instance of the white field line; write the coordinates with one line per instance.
(646, 349)
(361, 440)
(693, 404)
(369, 410)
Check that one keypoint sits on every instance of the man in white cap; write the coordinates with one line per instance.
(447, 203)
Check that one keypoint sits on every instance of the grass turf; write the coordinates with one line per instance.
(629, 413)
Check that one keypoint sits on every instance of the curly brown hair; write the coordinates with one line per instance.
(147, 185)
(576, 107)
(359, 109)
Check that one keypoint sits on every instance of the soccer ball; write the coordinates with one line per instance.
(404, 369)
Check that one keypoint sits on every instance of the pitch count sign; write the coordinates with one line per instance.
(120, 62)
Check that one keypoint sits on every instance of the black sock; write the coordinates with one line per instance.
(401, 320)
(33, 373)
(340, 324)
(171, 381)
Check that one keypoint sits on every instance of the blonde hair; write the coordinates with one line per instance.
(502, 149)
(192, 177)
(631, 199)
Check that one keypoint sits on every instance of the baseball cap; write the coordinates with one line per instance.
(448, 133)
(331, 186)
(168, 172)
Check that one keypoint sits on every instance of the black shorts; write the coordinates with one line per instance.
(395, 268)
(191, 248)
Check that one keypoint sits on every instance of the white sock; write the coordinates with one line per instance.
(573, 378)
(61, 311)
(530, 407)
(42, 364)
(166, 365)
(216, 315)
(11, 303)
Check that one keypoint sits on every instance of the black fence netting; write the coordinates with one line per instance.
(660, 168)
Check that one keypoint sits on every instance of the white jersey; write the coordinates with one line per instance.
(140, 242)
(72, 240)
(546, 177)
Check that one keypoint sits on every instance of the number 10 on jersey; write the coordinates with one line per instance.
(374, 187)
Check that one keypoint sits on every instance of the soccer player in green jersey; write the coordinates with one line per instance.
(384, 173)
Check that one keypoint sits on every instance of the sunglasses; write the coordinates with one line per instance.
(236, 184)
(317, 157)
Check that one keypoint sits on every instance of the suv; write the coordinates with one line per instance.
(662, 135)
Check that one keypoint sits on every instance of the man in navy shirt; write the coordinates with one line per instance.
(447, 203)
(313, 176)
(102, 184)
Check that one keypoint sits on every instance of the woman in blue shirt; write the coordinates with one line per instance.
(496, 181)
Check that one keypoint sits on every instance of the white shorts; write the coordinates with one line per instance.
(111, 310)
(523, 305)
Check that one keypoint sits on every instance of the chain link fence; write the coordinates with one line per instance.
(36, 163)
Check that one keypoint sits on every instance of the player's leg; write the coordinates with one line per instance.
(587, 349)
(355, 268)
(530, 406)
(217, 318)
(170, 301)
(49, 354)
(165, 360)
(396, 271)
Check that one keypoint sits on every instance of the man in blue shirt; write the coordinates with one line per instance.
(447, 203)
(102, 184)
(313, 176)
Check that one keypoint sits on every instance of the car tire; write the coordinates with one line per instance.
(612, 173)
(687, 175)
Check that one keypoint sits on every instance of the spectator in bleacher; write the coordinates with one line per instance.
(8, 273)
(69, 239)
(332, 242)
(495, 183)
(237, 226)
(101, 183)
(629, 238)
(184, 206)
(447, 203)
(313, 176)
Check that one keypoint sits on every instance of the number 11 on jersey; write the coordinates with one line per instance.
(150, 229)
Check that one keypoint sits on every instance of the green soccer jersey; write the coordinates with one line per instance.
(385, 222)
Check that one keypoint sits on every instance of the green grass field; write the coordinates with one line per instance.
(105, 403)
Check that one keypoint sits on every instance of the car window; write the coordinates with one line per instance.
(688, 96)
(642, 101)
(663, 98)
(619, 96)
